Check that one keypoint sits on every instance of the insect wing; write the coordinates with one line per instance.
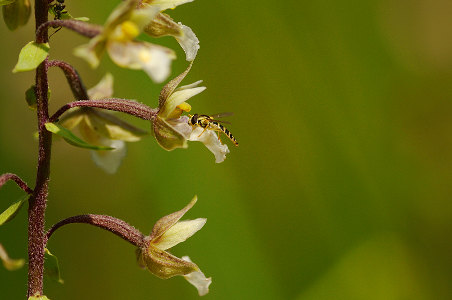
(221, 115)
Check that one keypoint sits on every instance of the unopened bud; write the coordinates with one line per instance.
(16, 14)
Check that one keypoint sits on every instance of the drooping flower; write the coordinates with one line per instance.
(118, 38)
(164, 25)
(168, 232)
(100, 128)
(172, 130)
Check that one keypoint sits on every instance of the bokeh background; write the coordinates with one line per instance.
(340, 189)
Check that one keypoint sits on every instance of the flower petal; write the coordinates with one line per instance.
(178, 233)
(165, 4)
(189, 86)
(198, 279)
(104, 89)
(210, 139)
(71, 118)
(109, 161)
(177, 98)
(168, 221)
(92, 51)
(121, 13)
(164, 25)
(9, 263)
(169, 88)
(152, 59)
(188, 41)
(168, 137)
(111, 127)
(164, 265)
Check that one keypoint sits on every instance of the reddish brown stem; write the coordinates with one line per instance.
(114, 225)
(130, 107)
(37, 202)
(73, 78)
(9, 176)
(83, 28)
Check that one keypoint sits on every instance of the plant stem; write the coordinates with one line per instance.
(37, 202)
(114, 225)
(73, 78)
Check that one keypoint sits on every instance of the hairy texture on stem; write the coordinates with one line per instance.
(9, 176)
(130, 107)
(83, 28)
(37, 202)
(73, 78)
(114, 225)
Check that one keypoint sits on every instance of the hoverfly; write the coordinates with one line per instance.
(209, 122)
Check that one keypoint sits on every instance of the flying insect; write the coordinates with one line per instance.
(210, 122)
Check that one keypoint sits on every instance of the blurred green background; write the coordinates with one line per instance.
(340, 189)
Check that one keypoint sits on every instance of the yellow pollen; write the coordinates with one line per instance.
(184, 106)
(129, 30)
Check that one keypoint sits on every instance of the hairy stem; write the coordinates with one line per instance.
(114, 225)
(73, 78)
(9, 176)
(85, 29)
(37, 202)
(130, 107)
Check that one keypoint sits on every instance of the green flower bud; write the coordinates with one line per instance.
(16, 14)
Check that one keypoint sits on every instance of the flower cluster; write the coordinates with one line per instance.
(103, 129)
(125, 23)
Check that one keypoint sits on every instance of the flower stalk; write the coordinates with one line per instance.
(120, 228)
(130, 107)
(38, 201)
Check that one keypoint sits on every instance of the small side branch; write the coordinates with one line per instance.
(9, 176)
(114, 225)
(73, 78)
(83, 28)
(130, 107)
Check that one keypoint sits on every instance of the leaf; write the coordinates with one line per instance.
(9, 263)
(83, 19)
(52, 267)
(37, 297)
(71, 138)
(30, 96)
(5, 2)
(31, 56)
(12, 211)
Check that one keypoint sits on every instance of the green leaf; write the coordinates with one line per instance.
(71, 138)
(31, 56)
(37, 297)
(30, 96)
(83, 19)
(5, 2)
(52, 267)
(9, 263)
(12, 211)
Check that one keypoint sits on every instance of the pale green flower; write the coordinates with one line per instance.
(164, 25)
(118, 38)
(167, 233)
(100, 128)
(172, 130)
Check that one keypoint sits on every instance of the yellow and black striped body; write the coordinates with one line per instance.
(207, 122)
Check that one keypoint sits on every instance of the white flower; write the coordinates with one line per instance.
(173, 130)
(100, 128)
(118, 39)
(164, 25)
(168, 232)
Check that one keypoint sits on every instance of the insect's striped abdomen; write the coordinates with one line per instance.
(226, 132)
